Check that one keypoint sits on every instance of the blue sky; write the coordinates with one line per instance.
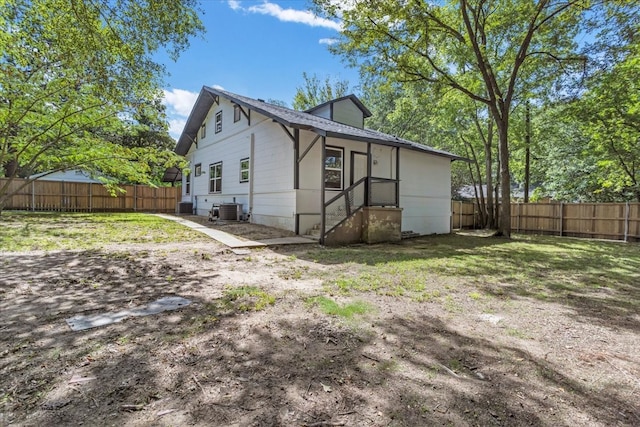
(254, 48)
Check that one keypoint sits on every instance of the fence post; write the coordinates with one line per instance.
(460, 216)
(561, 218)
(626, 222)
(518, 218)
(90, 197)
(135, 198)
(33, 195)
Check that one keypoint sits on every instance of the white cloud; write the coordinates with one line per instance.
(234, 4)
(179, 102)
(329, 41)
(288, 15)
(176, 126)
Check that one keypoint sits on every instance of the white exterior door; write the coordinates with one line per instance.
(358, 171)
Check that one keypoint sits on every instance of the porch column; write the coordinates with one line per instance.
(296, 161)
(296, 175)
(397, 177)
(367, 201)
(322, 178)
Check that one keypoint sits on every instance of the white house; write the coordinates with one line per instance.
(316, 169)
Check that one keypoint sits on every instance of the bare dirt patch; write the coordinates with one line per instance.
(504, 359)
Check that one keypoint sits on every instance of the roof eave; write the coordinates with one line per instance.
(399, 144)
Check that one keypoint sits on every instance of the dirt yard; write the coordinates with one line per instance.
(236, 358)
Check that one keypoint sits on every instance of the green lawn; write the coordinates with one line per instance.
(432, 267)
(423, 269)
(24, 231)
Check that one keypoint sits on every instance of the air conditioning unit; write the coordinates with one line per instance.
(184, 208)
(231, 211)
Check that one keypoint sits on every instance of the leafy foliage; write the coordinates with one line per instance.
(491, 52)
(78, 86)
(316, 92)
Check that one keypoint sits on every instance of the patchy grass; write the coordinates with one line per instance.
(332, 308)
(432, 268)
(23, 231)
(246, 298)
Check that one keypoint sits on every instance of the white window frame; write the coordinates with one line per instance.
(215, 178)
(245, 170)
(187, 184)
(218, 121)
(333, 168)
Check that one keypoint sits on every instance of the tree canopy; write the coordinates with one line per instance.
(315, 91)
(79, 87)
(494, 54)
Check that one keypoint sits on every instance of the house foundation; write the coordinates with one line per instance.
(369, 225)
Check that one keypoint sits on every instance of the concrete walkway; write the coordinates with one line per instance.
(233, 241)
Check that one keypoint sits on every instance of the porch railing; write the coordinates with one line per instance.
(343, 205)
(364, 192)
(383, 192)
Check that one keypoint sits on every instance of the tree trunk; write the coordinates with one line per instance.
(11, 168)
(491, 218)
(505, 180)
(480, 202)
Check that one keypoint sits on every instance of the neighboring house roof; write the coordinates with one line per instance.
(467, 191)
(293, 119)
(353, 98)
(69, 175)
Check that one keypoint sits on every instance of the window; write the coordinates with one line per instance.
(219, 122)
(244, 170)
(236, 113)
(203, 131)
(333, 168)
(198, 169)
(215, 178)
(187, 183)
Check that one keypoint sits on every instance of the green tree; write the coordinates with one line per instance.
(76, 78)
(491, 51)
(591, 146)
(315, 92)
(441, 119)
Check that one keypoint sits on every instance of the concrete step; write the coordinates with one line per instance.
(409, 234)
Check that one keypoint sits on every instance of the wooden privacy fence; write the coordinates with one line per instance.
(614, 221)
(89, 197)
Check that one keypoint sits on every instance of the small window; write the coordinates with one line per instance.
(187, 184)
(203, 131)
(244, 170)
(215, 178)
(198, 169)
(236, 113)
(333, 168)
(219, 122)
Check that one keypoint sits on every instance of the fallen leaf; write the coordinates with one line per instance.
(326, 388)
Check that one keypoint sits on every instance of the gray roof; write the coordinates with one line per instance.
(292, 119)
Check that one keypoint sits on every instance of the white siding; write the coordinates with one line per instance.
(425, 192)
(273, 194)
